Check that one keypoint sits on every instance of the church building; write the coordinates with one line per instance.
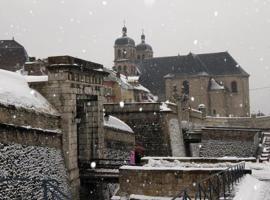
(214, 81)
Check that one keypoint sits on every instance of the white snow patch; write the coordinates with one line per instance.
(249, 188)
(164, 107)
(114, 122)
(214, 85)
(31, 79)
(14, 90)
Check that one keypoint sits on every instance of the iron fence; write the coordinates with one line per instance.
(216, 186)
(44, 188)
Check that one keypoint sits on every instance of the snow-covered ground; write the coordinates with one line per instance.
(255, 186)
(14, 90)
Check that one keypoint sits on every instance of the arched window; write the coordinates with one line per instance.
(125, 68)
(119, 53)
(119, 68)
(185, 87)
(234, 86)
(138, 57)
(214, 112)
(143, 56)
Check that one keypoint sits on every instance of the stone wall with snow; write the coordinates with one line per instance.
(219, 142)
(149, 123)
(119, 139)
(217, 148)
(30, 162)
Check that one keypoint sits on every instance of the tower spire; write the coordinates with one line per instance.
(124, 29)
(143, 36)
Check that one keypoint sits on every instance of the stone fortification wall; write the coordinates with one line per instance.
(34, 164)
(158, 182)
(118, 144)
(148, 123)
(247, 122)
(28, 118)
(219, 142)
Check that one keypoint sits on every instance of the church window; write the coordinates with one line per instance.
(234, 86)
(138, 57)
(214, 112)
(185, 87)
(143, 56)
(119, 53)
(119, 68)
(125, 68)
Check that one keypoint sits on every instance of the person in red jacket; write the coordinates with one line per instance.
(139, 153)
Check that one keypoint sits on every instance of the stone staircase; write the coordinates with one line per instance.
(265, 153)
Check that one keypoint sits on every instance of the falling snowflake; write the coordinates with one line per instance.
(195, 42)
(83, 51)
(216, 13)
(192, 98)
(93, 165)
(140, 109)
(121, 104)
(104, 3)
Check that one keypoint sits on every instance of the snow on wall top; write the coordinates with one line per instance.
(116, 123)
(14, 90)
(31, 79)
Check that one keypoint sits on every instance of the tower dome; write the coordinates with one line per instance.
(125, 54)
(124, 40)
(143, 50)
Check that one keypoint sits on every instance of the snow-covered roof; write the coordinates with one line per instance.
(14, 90)
(31, 79)
(214, 85)
(142, 88)
(133, 78)
(116, 123)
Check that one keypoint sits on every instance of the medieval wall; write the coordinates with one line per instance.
(158, 182)
(218, 142)
(148, 123)
(28, 169)
(118, 144)
(77, 93)
(247, 122)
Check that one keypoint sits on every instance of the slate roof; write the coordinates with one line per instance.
(124, 41)
(143, 47)
(154, 70)
(12, 55)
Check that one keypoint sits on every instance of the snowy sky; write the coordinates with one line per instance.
(88, 28)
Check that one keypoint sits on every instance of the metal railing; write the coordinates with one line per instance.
(216, 186)
(44, 188)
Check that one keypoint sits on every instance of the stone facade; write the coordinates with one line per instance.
(75, 89)
(150, 125)
(244, 122)
(118, 143)
(219, 142)
(158, 182)
(218, 101)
